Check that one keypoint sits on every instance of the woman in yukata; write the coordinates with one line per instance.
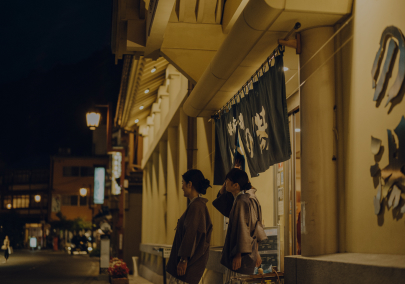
(190, 250)
(237, 201)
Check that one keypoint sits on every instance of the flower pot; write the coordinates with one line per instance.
(119, 281)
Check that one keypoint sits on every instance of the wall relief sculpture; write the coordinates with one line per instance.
(390, 33)
(390, 180)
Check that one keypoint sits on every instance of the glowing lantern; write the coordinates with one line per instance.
(93, 119)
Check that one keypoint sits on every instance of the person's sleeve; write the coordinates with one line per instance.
(257, 221)
(223, 203)
(194, 221)
(242, 230)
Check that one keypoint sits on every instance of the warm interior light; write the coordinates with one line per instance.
(153, 69)
(9, 206)
(146, 91)
(141, 107)
(83, 191)
(93, 119)
(37, 198)
(286, 68)
(136, 120)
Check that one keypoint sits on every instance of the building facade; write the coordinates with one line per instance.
(72, 184)
(27, 193)
(338, 203)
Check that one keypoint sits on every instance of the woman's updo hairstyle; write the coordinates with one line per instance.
(200, 183)
(240, 177)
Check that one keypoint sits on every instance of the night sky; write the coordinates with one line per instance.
(56, 62)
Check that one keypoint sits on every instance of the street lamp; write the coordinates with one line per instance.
(93, 119)
(83, 192)
(37, 198)
(110, 150)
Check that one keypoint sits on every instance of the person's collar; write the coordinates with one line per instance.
(240, 192)
(194, 199)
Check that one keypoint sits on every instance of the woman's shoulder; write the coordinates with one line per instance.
(242, 200)
(201, 201)
(198, 203)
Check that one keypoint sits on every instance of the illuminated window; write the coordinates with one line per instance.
(21, 201)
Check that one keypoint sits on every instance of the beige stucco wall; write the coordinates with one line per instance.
(366, 232)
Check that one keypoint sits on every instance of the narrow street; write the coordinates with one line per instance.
(46, 267)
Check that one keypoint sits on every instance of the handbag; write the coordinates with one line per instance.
(3, 247)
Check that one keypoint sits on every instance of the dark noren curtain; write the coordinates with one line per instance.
(262, 122)
(225, 145)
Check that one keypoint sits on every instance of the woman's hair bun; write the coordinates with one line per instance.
(203, 185)
(247, 186)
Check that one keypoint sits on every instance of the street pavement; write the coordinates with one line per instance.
(48, 267)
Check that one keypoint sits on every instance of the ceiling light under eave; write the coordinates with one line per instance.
(286, 69)
(141, 107)
(136, 120)
(146, 91)
(153, 70)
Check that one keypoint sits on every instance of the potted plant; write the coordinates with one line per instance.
(118, 271)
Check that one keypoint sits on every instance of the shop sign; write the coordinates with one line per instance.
(261, 120)
(99, 185)
(116, 172)
(56, 202)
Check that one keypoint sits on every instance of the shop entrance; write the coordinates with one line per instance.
(287, 197)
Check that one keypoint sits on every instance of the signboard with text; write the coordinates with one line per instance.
(269, 249)
(99, 185)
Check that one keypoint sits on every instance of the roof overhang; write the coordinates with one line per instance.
(251, 40)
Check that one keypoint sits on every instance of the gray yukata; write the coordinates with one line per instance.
(245, 229)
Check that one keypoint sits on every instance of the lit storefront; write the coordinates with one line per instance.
(337, 203)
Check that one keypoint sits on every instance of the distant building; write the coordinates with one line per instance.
(27, 191)
(68, 176)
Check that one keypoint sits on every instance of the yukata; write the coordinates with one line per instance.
(245, 229)
(191, 242)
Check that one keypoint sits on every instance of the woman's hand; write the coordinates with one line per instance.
(237, 262)
(181, 268)
(238, 164)
(258, 260)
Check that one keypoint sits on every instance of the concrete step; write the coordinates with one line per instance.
(138, 280)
